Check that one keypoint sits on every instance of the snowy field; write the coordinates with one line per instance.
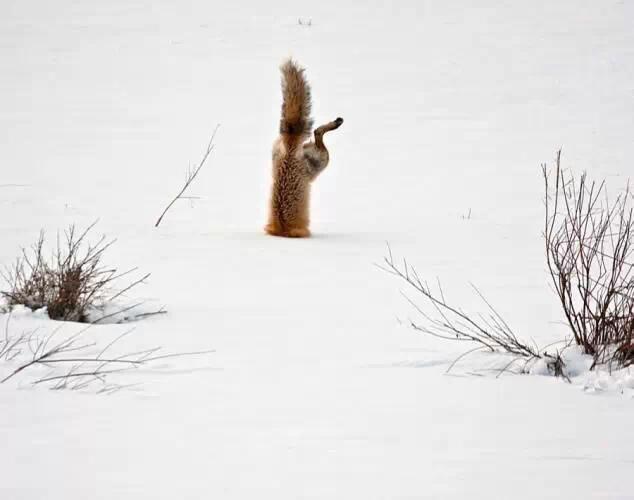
(317, 388)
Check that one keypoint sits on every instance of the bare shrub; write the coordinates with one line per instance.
(443, 320)
(589, 248)
(589, 244)
(71, 284)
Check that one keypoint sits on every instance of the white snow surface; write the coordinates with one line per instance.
(317, 388)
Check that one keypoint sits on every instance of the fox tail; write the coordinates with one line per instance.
(296, 123)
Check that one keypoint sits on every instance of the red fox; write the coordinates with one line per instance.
(295, 163)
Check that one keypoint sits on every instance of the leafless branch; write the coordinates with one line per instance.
(190, 176)
(71, 364)
(440, 319)
(449, 322)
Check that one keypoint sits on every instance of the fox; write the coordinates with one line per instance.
(297, 161)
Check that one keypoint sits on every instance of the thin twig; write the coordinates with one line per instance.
(191, 175)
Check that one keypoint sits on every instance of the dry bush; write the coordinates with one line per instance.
(71, 284)
(589, 251)
(590, 256)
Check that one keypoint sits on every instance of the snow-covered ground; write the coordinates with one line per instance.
(317, 388)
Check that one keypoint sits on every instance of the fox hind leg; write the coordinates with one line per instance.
(273, 229)
(299, 232)
(327, 127)
(295, 232)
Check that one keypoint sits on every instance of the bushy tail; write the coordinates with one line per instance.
(296, 122)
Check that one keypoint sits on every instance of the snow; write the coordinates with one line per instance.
(317, 388)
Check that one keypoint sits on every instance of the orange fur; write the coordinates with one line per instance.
(295, 165)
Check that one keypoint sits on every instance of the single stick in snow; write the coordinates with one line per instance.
(191, 175)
